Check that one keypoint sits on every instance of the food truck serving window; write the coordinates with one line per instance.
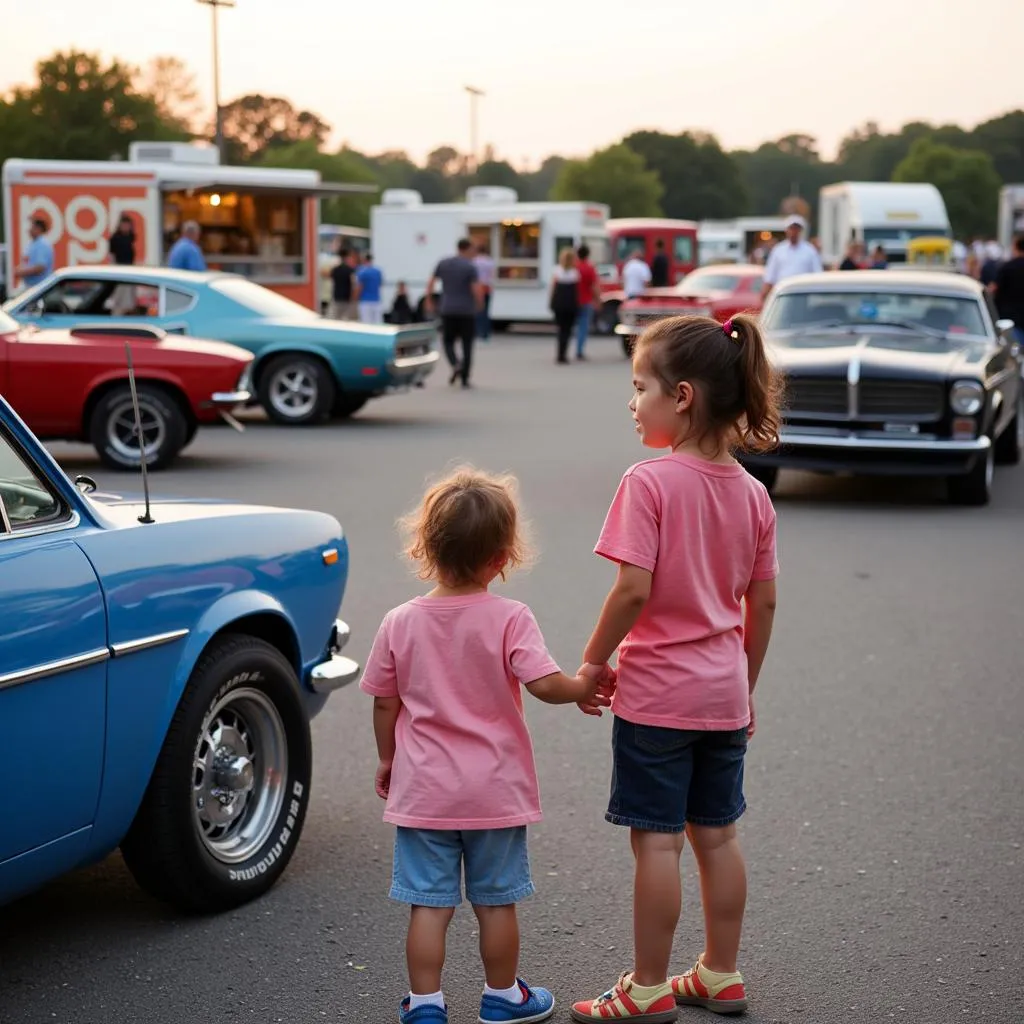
(255, 235)
(518, 255)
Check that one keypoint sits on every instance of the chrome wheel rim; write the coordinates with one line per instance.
(293, 390)
(239, 771)
(123, 435)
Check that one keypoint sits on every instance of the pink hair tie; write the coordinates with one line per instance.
(727, 327)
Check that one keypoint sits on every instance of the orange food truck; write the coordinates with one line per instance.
(260, 222)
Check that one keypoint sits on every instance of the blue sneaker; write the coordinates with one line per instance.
(422, 1014)
(538, 1004)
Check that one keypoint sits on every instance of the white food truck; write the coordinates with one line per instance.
(409, 237)
(882, 213)
(1011, 215)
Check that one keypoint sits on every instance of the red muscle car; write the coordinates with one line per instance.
(73, 385)
(721, 291)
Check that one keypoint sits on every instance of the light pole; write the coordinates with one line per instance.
(474, 95)
(215, 6)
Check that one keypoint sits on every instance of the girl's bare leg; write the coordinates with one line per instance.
(425, 947)
(499, 944)
(657, 901)
(723, 891)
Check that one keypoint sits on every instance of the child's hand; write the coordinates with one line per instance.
(602, 686)
(382, 780)
(752, 728)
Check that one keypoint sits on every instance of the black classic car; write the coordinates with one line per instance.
(894, 372)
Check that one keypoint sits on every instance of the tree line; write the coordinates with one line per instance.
(82, 107)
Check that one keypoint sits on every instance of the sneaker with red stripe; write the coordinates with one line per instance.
(720, 993)
(623, 1003)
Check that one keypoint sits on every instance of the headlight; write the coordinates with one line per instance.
(967, 397)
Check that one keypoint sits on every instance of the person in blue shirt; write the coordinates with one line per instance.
(38, 263)
(185, 254)
(369, 278)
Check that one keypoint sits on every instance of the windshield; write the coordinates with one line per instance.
(703, 281)
(944, 313)
(259, 299)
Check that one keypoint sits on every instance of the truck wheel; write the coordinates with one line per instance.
(767, 475)
(113, 434)
(1010, 445)
(606, 318)
(227, 799)
(346, 405)
(296, 389)
(975, 487)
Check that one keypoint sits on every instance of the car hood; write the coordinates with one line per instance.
(125, 509)
(879, 354)
(146, 343)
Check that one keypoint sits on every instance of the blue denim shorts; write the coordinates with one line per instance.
(429, 864)
(664, 778)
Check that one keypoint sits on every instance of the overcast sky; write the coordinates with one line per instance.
(562, 75)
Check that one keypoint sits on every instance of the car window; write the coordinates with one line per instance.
(177, 301)
(626, 245)
(950, 314)
(682, 248)
(702, 281)
(25, 500)
(108, 297)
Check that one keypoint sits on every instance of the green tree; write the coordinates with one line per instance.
(616, 176)
(537, 185)
(81, 109)
(777, 170)
(173, 87)
(966, 178)
(700, 180)
(254, 124)
(498, 172)
(1003, 139)
(342, 166)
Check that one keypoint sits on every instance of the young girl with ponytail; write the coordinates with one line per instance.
(690, 614)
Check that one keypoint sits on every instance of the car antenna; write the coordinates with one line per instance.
(145, 517)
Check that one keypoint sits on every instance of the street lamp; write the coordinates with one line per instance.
(215, 6)
(474, 95)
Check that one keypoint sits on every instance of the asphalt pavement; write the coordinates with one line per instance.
(883, 833)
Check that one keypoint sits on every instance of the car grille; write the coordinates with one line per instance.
(875, 399)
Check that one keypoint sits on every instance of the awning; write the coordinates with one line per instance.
(325, 190)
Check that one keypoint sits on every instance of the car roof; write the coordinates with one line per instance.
(743, 269)
(928, 282)
(164, 274)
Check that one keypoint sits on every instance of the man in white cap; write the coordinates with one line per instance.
(791, 257)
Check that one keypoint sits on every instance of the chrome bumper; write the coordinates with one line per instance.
(229, 399)
(337, 671)
(406, 367)
(792, 439)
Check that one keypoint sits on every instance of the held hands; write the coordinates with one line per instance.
(602, 686)
(382, 780)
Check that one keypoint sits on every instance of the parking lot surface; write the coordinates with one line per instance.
(884, 786)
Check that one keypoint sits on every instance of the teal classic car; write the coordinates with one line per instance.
(307, 368)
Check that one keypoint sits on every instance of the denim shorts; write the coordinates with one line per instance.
(429, 864)
(664, 778)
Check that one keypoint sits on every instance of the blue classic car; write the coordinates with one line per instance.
(159, 667)
(307, 368)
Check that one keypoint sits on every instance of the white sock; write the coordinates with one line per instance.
(434, 999)
(513, 994)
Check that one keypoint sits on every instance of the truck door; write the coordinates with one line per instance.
(53, 672)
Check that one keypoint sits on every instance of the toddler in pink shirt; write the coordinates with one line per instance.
(456, 763)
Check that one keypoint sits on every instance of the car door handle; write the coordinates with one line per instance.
(175, 328)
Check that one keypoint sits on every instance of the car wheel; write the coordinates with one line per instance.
(1010, 446)
(767, 475)
(113, 432)
(346, 405)
(606, 318)
(296, 389)
(975, 487)
(227, 799)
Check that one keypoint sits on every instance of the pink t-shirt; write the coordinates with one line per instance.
(463, 756)
(705, 531)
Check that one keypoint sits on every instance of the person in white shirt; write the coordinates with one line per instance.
(791, 257)
(636, 275)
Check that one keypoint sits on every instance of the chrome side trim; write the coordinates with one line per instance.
(53, 668)
(5, 523)
(146, 642)
(68, 523)
(229, 398)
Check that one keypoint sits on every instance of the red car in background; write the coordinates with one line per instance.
(72, 385)
(721, 290)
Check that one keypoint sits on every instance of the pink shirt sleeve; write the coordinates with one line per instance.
(527, 653)
(379, 675)
(766, 563)
(631, 528)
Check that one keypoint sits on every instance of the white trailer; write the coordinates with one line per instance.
(876, 213)
(1011, 215)
(409, 237)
